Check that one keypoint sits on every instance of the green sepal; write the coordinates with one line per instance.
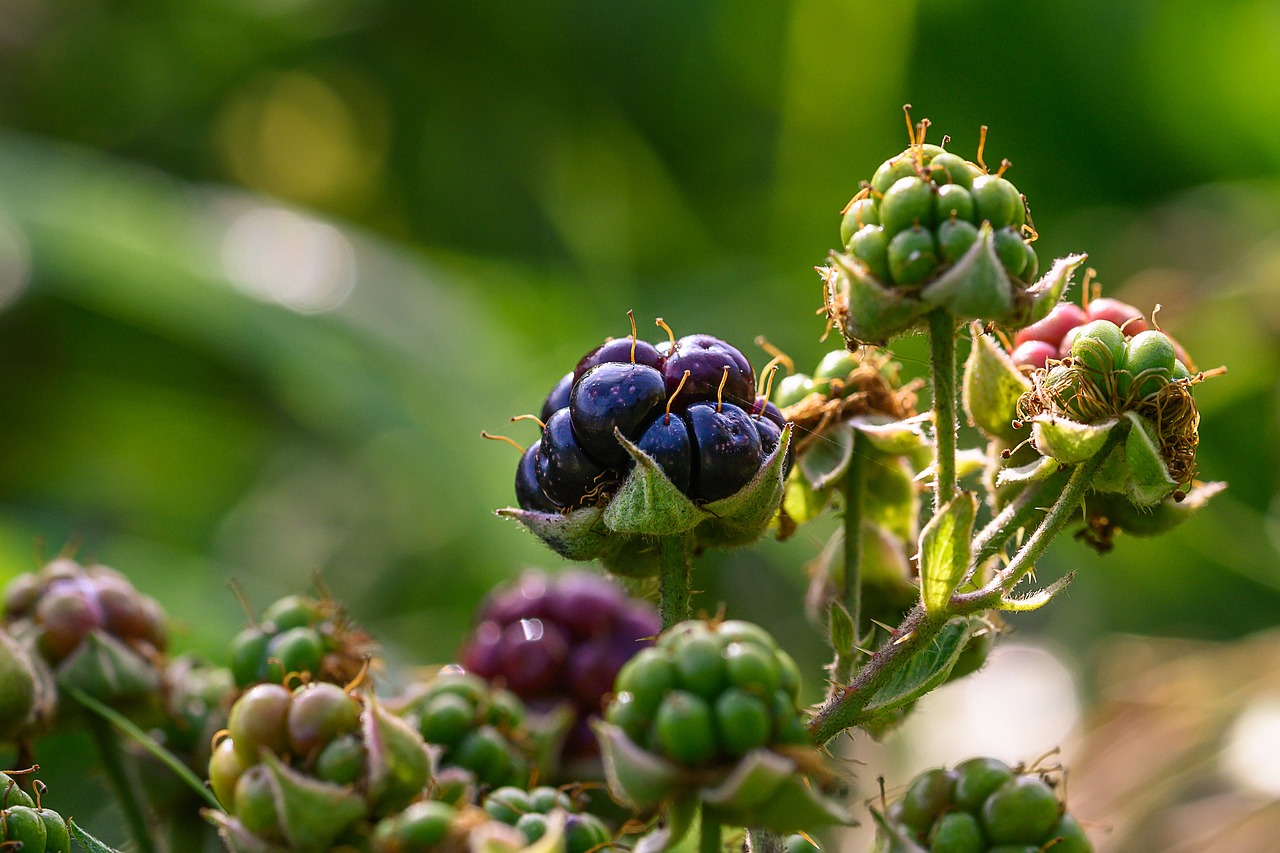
(1038, 300)
(926, 670)
(648, 502)
(1068, 441)
(397, 765)
(890, 837)
(1151, 521)
(991, 387)
(87, 842)
(578, 535)
(840, 631)
(107, 669)
(945, 550)
(496, 837)
(824, 462)
(876, 312)
(768, 790)
(896, 438)
(636, 777)
(976, 286)
(234, 836)
(313, 813)
(1037, 599)
(27, 696)
(1149, 481)
(1033, 472)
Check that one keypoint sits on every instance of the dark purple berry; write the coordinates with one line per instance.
(480, 655)
(558, 398)
(528, 598)
(666, 441)
(766, 409)
(583, 604)
(706, 357)
(618, 351)
(614, 396)
(593, 667)
(571, 477)
(727, 449)
(770, 436)
(528, 493)
(531, 655)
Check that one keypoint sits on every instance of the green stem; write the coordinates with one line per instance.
(920, 628)
(854, 487)
(122, 782)
(673, 581)
(1017, 515)
(764, 841)
(708, 834)
(942, 346)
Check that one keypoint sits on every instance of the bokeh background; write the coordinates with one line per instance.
(268, 268)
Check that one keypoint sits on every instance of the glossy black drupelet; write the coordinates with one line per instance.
(570, 476)
(619, 351)
(666, 440)
(528, 491)
(558, 398)
(609, 396)
(726, 449)
(706, 357)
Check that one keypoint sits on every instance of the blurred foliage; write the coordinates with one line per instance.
(268, 267)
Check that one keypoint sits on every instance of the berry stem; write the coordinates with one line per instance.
(708, 834)
(919, 629)
(942, 347)
(854, 487)
(673, 581)
(764, 841)
(991, 539)
(122, 781)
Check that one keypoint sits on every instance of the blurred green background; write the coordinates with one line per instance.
(268, 267)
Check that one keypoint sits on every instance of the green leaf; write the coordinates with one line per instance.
(840, 630)
(926, 670)
(1067, 441)
(1149, 480)
(802, 503)
(945, 550)
(648, 502)
(991, 387)
(1037, 599)
(825, 461)
(976, 285)
(891, 496)
(87, 842)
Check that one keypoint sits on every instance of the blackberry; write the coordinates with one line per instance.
(985, 805)
(559, 641)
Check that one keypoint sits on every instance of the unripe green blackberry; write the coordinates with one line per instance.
(985, 806)
(306, 639)
(528, 812)
(708, 694)
(480, 727)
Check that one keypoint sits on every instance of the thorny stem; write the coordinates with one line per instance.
(919, 628)
(1018, 514)
(673, 581)
(851, 593)
(942, 346)
(122, 782)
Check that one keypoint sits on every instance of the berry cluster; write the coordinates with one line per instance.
(922, 210)
(479, 727)
(1052, 337)
(303, 636)
(559, 640)
(709, 693)
(528, 812)
(985, 805)
(65, 602)
(26, 825)
(830, 378)
(690, 404)
(318, 749)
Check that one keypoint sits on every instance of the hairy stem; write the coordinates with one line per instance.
(942, 359)
(851, 593)
(991, 539)
(920, 628)
(708, 834)
(764, 841)
(673, 581)
(122, 782)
